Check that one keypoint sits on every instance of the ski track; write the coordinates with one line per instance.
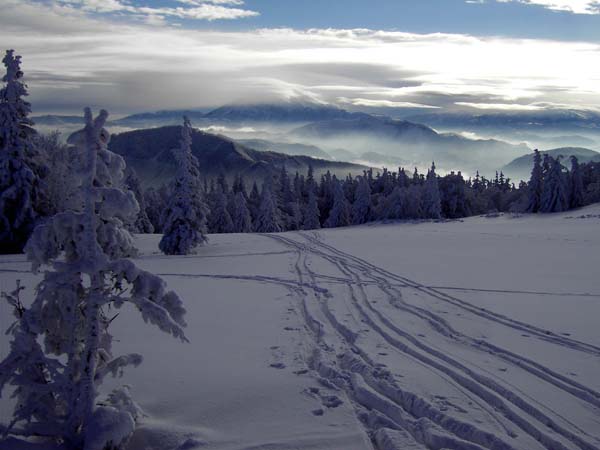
(393, 416)
(505, 291)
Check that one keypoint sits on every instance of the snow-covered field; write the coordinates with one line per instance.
(465, 335)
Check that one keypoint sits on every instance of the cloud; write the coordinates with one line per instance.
(572, 6)
(383, 103)
(72, 59)
(194, 9)
(501, 106)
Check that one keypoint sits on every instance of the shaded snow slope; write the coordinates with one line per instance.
(478, 334)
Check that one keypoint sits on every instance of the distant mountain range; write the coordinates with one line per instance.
(549, 120)
(305, 113)
(285, 147)
(149, 153)
(328, 132)
(415, 143)
(520, 168)
(57, 120)
(285, 112)
(239, 114)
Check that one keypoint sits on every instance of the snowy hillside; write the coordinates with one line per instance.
(478, 334)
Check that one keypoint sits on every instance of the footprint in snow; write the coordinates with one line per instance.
(331, 401)
(191, 444)
(278, 366)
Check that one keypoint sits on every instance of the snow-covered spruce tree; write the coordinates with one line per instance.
(184, 220)
(289, 202)
(219, 220)
(414, 202)
(362, 207)
(394, 205)
(536, 184)
(554, 195)
(339, 216)
(311, 214)
(576, 191)
(267, 219)
(60, 159)
(242, 222)
(254, 202)
(156, 202)
(57, 385)
(141, 223)
(19, 185)
(432, 205)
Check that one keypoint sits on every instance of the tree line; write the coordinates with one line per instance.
(285, 202)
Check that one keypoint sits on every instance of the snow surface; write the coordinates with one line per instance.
(481, 333)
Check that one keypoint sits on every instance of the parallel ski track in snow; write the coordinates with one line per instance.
(372, 389)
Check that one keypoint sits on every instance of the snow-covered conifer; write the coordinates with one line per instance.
(339, 216)
(254, 202)
(242, 221)
(267, 219)
(432, 206)
(362, 207)
(311, 212)
(219, 219)
(60, 160)
(290, 200)
(19, 185)
(394, 205)
(184, 220)
(576, 191)
(554, 195)
(240, 186)
(58, 383)
(536, 184)
(413, 206)
(156, 201)
(141, 223)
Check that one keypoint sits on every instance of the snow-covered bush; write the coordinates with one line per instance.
(184, 220)
(61, 347)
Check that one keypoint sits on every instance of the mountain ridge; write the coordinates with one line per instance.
(148, 152)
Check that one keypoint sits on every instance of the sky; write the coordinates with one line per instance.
(399, 55)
